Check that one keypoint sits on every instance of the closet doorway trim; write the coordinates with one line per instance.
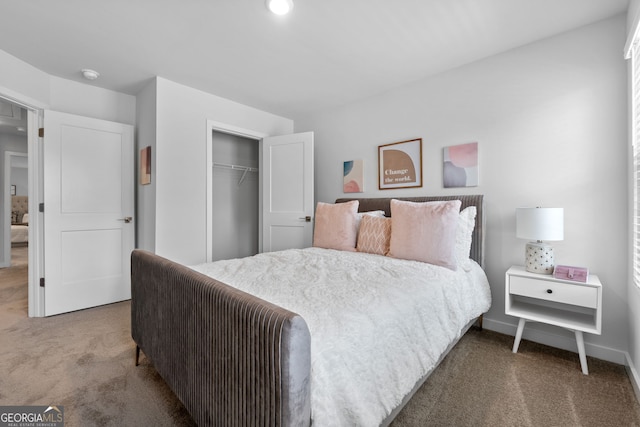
(231, 130)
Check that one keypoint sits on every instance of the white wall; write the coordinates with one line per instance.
(29, 85)
(19, 79)
(19, 178)
(180, 162)
(633, 294)
(550, 119)
(146, 194)
(89, 101)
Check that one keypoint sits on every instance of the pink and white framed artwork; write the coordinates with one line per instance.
(353, 177)
(460, 168)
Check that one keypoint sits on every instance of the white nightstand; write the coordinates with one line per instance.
(541, 298)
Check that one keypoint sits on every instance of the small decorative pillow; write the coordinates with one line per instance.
(374, 235)
(425, 231)
(464, 236)
(336, 226)
(25, 218)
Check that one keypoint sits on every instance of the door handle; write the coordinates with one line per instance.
(126, 219)
(306, 218)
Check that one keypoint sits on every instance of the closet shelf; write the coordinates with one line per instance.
(244, 169)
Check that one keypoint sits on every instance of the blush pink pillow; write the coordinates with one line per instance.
(336, 226)
(374, 235)
(425, 231)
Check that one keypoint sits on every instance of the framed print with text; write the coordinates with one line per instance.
(400, 165)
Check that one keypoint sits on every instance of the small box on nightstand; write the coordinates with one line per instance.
(566, 272)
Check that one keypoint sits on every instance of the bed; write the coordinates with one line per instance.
(19, 235)
(19, 221)
(319, 348)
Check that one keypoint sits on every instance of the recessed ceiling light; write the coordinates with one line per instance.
(280, 7)
(90, 74)
(21, 129)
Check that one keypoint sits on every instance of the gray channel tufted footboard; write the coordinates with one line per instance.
(231, 358)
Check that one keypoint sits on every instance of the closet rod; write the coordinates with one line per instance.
(235, 167)
(245, 169)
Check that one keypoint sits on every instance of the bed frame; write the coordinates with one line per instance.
(19, 205)
(230, 357)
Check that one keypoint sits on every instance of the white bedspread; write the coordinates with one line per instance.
(377, 324)
(19, 233)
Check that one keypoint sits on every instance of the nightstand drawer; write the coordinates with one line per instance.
(566, 293)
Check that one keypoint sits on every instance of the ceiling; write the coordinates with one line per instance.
(324, 54)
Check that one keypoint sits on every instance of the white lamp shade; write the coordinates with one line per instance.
(540, 223)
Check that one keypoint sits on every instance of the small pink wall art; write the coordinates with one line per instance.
(460, 168)
(353, 177)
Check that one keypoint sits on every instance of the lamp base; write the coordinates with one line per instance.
(539, 258)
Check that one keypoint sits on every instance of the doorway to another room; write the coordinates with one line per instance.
(18, 179)
(14, 212)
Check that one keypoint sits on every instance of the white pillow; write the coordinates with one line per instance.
(25, 218)
(379, 214)
(464, 236)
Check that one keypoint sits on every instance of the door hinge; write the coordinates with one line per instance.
(41, 207)
(42, 282)
(41, 133)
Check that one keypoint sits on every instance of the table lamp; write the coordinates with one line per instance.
(539, 224)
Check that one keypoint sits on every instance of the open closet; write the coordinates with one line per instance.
(235, 194)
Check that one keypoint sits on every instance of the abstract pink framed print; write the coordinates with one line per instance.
(460, 167)
(353, 176)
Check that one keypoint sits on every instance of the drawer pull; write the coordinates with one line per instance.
(549, 291)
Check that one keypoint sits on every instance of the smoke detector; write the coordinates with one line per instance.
(90, 74)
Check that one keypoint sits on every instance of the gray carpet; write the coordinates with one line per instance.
(84, 361)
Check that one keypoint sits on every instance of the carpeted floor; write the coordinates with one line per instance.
(84, 361)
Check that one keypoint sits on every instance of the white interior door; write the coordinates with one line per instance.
(88, 198)
(286, 169)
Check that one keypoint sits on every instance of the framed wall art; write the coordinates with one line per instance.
(400, 164)
(145, 166)
(353, 176)
(460, 166)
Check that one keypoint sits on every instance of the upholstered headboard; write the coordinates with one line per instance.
(477, 200)
(19, 207)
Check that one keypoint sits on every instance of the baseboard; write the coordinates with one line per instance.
(633, 376)
(564, 342)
